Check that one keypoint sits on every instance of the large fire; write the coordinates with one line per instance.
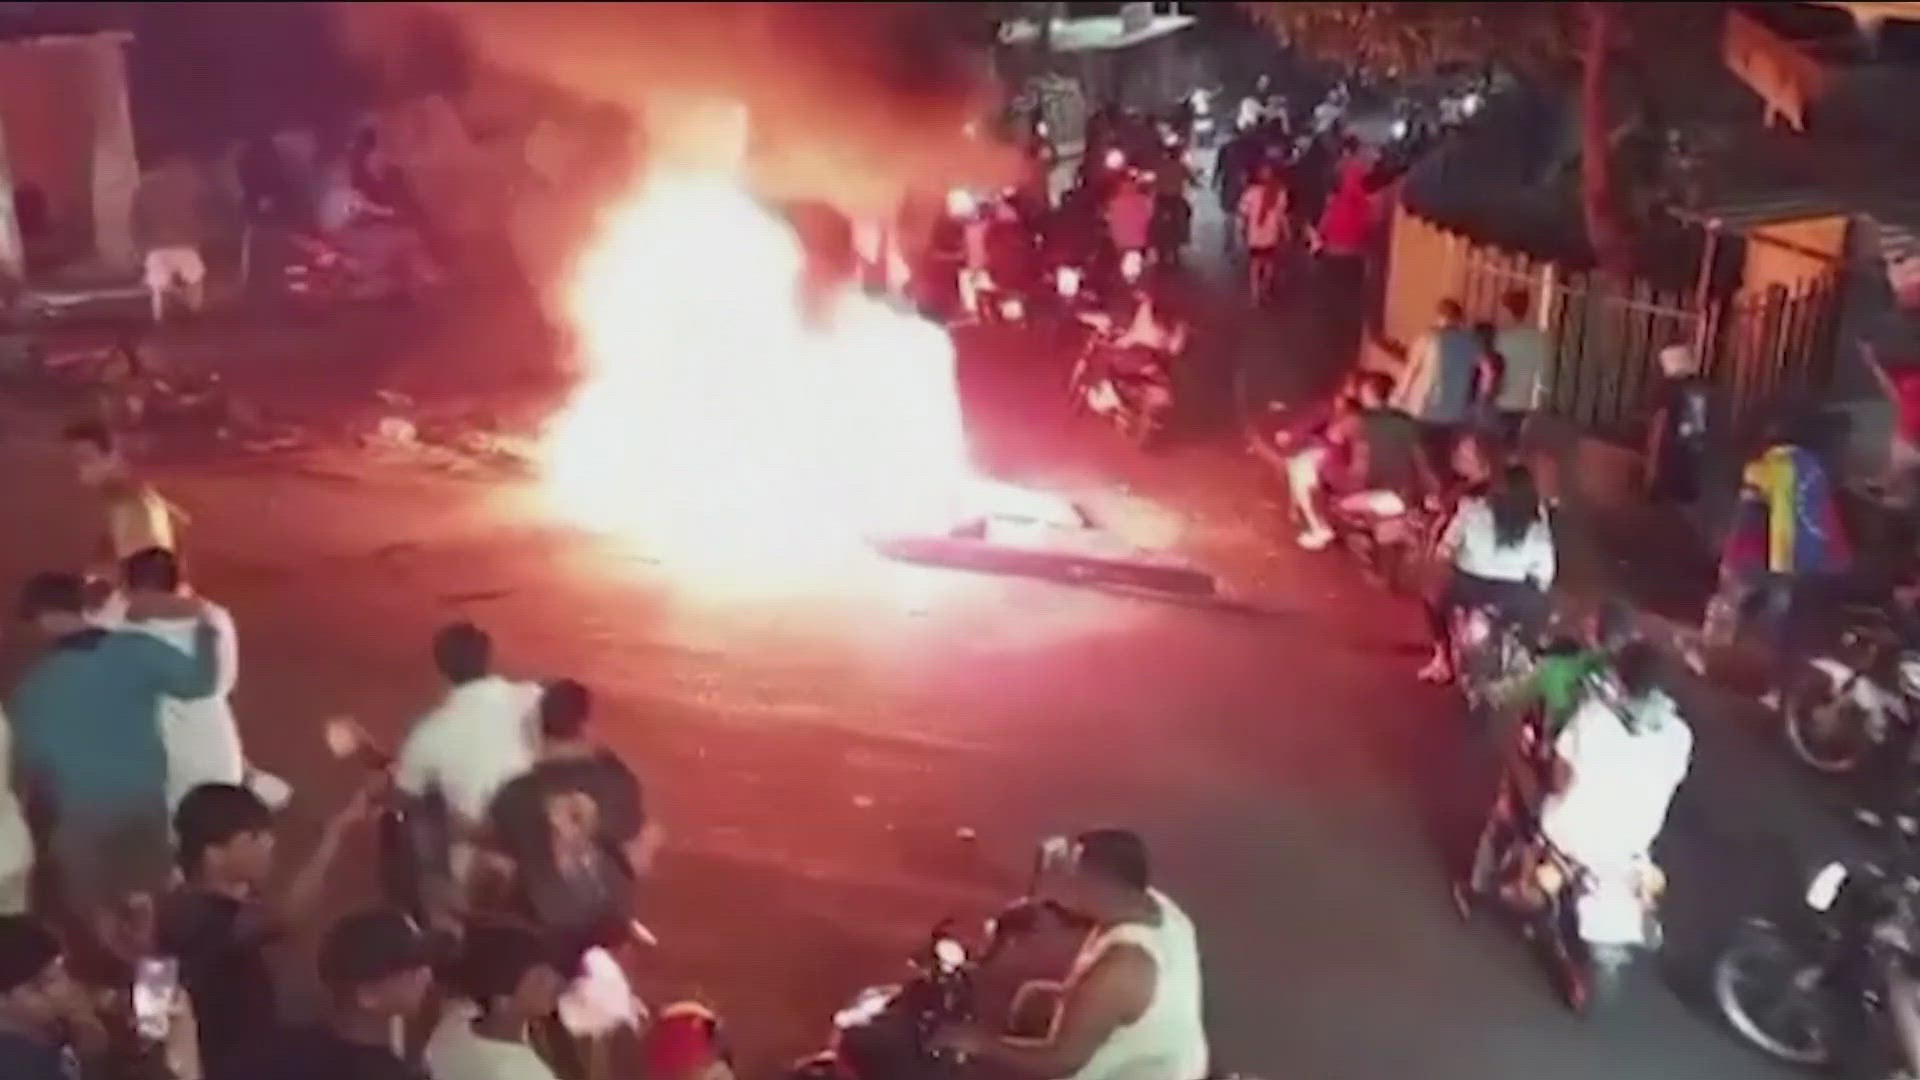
(716, 422)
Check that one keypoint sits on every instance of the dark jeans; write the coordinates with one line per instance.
(1515, 601)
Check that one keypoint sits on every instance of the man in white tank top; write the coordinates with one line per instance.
(1130, 1009)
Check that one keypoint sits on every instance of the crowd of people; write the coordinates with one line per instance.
(137, 845)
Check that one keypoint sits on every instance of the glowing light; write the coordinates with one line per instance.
(717, 423)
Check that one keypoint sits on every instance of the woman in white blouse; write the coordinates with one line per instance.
(1499, 550)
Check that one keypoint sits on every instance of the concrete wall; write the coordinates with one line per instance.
(69, 137)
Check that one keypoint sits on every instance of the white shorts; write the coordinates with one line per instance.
(174, 267)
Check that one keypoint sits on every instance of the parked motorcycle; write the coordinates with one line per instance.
(1855, 702)
(1812, 990)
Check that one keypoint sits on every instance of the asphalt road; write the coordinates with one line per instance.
(842, 763)
(841, 766)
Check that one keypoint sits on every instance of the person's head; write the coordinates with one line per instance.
(1472, 458)
(1637, 667)
(510, 972)
(1515, 303)
(1448, 314)
(1372, 389)
(564, 707)
(54, 603)
(1103, 878)
(94, 452)
(375, 963)
(34, 985)
(223, 835)
(1515, 503)
(463, 652)
(1678, 362)
(152, 570)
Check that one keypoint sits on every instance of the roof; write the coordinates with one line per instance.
(1095, 34)
(1754, 209)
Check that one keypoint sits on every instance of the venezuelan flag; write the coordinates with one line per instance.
(1803, 525)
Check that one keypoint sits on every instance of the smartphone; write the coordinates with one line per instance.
(156, 985)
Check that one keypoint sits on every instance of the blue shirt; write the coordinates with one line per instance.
(86, 716)
(25, 1058)
(1456, 356)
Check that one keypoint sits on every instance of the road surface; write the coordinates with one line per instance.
(843, 763)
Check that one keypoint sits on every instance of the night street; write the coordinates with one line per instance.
(841, 766)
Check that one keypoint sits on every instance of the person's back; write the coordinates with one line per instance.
(1169, 1040)
(1129, 214)
(1621, 781)
(87, 714)
(1392, 450)
(1456, 356)
(1524, 348)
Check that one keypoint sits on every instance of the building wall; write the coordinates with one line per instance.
(44, 96)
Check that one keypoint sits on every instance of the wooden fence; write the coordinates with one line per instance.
(1605, 336)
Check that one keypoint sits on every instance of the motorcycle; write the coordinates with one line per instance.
(1139, 403)
(1491, 653)
(1856, 703)
(1590, 924)
(1813, 991)
(1389, 534)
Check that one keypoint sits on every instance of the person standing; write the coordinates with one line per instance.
(1436, 387)
(134, 515)
(576, 827)
(376, 968)
(203, 741)
(86, 723)
(513, 980)
(220, 923)
(1263, 227)
(1523, 348)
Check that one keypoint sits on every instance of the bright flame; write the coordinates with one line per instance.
(716, 423)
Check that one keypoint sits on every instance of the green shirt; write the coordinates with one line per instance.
(1561, 681)
(86, 716)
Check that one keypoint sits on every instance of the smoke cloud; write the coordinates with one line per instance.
(854, 104)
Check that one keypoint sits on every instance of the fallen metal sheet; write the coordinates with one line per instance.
(962, 552)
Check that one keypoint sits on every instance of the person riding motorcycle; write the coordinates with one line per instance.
(1130, 1008)
(1499, 553)
(1616, 767)
(1366, 449)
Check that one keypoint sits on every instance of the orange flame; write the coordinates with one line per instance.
(716, 424)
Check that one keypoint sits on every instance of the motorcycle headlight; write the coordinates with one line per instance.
(1824, 889)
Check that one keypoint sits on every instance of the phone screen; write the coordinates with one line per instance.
(156, 983)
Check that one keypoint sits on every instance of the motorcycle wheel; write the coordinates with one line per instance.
(1826, 732)
(1769, 994)
(1604, 977)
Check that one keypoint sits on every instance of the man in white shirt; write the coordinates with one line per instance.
(480, 735)
(201, 737)
(1131, 1007)
(16, 844)
(1621, 762)
(512, 980)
